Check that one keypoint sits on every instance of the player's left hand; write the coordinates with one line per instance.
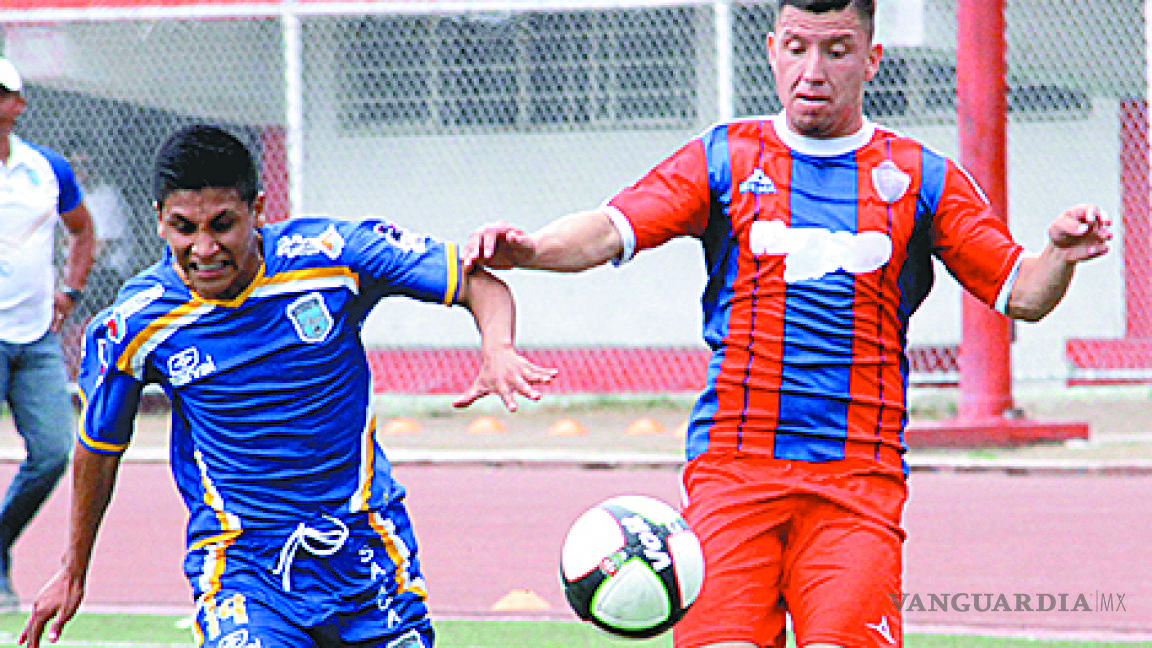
(1080, 233)
(62, 308)
(505, 372)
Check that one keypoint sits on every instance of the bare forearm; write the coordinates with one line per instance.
(1040, 285)
(93, 478)
(575, 242)
(81, 246)
(490, 302)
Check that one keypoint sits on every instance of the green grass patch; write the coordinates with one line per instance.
(107, 630)
(150, 631)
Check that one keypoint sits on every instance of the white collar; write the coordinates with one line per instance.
(822, 147)
(17, 152)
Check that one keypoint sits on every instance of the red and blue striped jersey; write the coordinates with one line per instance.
(818, 252)
(272, 417)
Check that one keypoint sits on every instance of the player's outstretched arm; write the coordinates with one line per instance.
(93, 477)
(572, 243)
(1079, 234)
(503, 371)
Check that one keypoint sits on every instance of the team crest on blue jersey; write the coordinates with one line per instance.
(758, 183)
(187, 365)
(310, 317)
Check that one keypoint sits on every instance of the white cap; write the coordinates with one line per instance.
(9, 77)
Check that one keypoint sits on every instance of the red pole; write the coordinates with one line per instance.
(982, 115)
(274, 173)
(1134, 187)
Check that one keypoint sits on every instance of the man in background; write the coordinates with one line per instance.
(38, 190)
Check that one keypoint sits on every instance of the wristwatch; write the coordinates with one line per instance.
(75, 294)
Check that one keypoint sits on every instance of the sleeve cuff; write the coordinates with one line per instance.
(627, 234)
(1001, 305)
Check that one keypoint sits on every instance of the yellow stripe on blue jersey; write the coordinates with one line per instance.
(228, 521)
(399, 553)
(311, 279)
(363, 493)
(453, 264)
(90, 443)
(133, 359)
(215, 563)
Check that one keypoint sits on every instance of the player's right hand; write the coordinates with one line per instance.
(498, 245)
(55, 606)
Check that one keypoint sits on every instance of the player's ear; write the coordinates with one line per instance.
(258, 210)
(771, 43)
(159, 218)
(875, 53)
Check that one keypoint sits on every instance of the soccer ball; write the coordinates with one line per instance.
(631, 566)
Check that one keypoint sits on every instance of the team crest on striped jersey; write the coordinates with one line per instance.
(311, 318)
(890, 181)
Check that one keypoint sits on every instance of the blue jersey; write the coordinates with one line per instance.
(272, 420)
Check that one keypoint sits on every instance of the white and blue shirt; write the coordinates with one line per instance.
(36, 186)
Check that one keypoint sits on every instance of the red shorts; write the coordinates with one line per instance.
(818, 541)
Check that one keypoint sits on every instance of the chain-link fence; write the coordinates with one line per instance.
(443, 116)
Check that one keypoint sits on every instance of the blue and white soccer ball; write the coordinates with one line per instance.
(631, 566)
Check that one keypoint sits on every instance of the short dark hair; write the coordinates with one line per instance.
(866, 9)
(201, 156)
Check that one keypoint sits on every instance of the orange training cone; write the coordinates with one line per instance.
(487, 425)
(644, 426)
(567, 427)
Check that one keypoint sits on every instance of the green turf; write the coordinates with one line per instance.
(122, 631)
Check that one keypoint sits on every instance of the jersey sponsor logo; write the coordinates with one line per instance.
(890, 182)
(329, 243)
(402, 238)
(187, 365)
(758, 183)
(813, 252)
(310, 317)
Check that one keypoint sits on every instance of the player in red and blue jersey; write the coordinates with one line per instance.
(297, 532)
(818, 229)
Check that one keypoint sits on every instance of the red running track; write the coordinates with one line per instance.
(486, 531)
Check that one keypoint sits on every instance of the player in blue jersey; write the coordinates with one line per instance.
(297, 532)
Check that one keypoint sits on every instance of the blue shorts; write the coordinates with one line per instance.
(330, 582)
